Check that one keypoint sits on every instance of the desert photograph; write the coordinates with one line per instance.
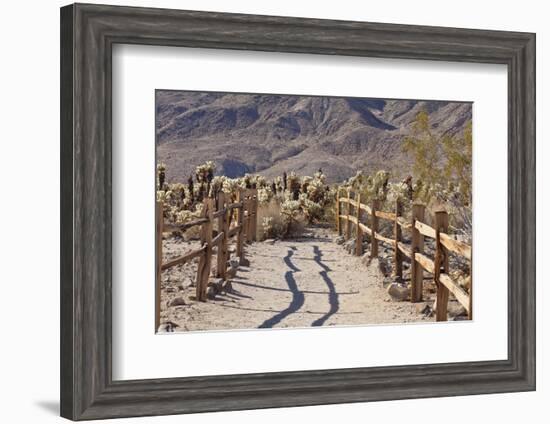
(291, 211)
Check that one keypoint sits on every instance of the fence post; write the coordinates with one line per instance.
(203, 272)
(441, 261)
(255, 219)
(202, 260)
(417, 246)
(398, 257)
(226, 240)
(240, 213)
(158, 279)
(359, 232)
(248, 203)
(348, 222)
(374, 229)
(338, 228)
(208, 253)
(221, 228)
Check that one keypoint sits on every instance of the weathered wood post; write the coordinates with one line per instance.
(240, 223)
(398, 256)
(221, 265)
(208, 252)
(441, 261)
(227, 240)
(249, 216)
(417, 273)
(338, 228)
(255, 209)
(348, 222)
(359, 232)
(203, 272)
(202, 259)
(158, 262)
(374, 229)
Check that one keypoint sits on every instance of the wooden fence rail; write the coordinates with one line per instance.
(346, 217)
(231, 219)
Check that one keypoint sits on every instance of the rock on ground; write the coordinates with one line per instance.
(177, 301)
(398, 291)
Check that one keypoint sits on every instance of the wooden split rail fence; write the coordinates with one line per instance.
(351, 215)
(220, 221)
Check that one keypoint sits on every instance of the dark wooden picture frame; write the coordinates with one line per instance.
(88, 33)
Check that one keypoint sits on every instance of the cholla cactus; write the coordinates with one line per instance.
(205, 173)
(164, 197)
(313, 211)
(316, 189)
(230, 186)
(380, 184)
(161, 176)
(268, 227)
(290, 210)
(279, 186)
(190, 189)
(371, 186)
(265, 194)
(178, 192)
(246, 181)
(216, 185)
(398, 191)
(187, 202)
(183, 216)
(293, 185)
(304, 196)
(260, 181)
(198, 209)
(356, 182)
(304, 183)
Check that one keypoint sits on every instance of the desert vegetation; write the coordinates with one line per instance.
(286, 203)
(440, 177)
(291, 212)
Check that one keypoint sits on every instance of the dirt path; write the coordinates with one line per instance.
(306, 282)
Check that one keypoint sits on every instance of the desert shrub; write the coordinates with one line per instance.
(313, 212)
(317, 189)
(458, 166)
(440, 160)
(290, 212)
(269, 215)
(270, 229)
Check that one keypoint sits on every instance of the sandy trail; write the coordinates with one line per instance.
(306, 282)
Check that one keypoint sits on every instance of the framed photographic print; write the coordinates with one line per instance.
(264, 211)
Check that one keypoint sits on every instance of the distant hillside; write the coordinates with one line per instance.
(271, 134)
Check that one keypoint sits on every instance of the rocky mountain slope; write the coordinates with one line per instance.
(271, 134)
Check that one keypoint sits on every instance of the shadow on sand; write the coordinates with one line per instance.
(297, 295)
(332, 294)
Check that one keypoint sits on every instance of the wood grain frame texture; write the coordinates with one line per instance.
(88, 33)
